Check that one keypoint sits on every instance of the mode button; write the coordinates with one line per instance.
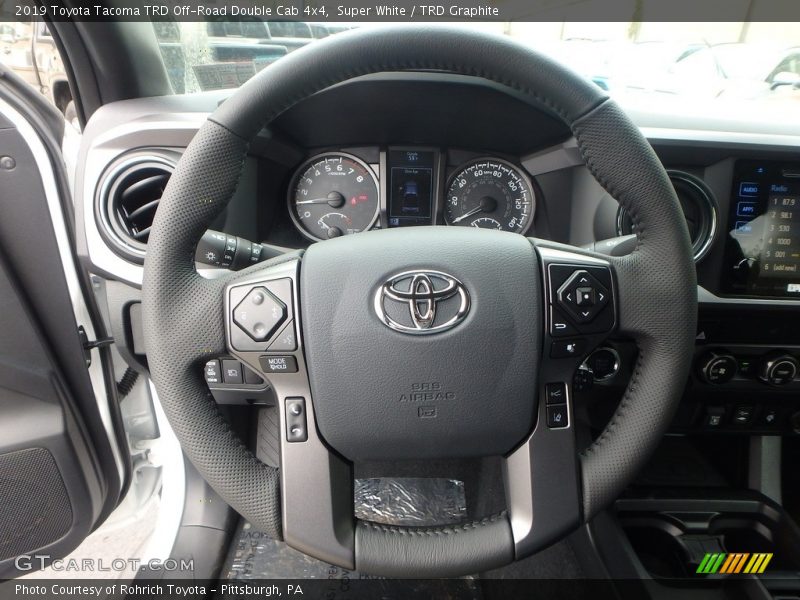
(278, 364)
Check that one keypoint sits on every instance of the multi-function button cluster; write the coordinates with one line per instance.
(583, 297)
(229, 372)
(259, 314)
(263, 318)
(580, 305)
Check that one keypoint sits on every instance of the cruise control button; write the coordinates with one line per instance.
(567, 348)
(557, 416)
(231, 371)
(259, 314)
(278, 364)
(583, 380)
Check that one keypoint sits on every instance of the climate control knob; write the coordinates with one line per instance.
(778, 369)
(718, 368)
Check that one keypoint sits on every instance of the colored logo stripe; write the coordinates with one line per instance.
(735, 562)
(730, 562)
(758, 563)
(711, 563)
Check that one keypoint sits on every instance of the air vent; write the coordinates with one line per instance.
(699, 209)
(128, 199)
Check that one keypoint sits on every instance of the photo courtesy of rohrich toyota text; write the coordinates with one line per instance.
(356, 300)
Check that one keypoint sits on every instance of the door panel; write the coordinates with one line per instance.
(61, 467)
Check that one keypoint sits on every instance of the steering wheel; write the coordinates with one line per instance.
(426, 342)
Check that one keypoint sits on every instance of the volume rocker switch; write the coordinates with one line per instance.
(296, 421)
(259, 314)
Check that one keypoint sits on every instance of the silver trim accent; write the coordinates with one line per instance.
(100, 148)
(556, 158)
(706, 297)
(557, 254)
(708, 198)
(173, 486)
(316, 485)
(764, 466)
(421, 290)
(699, 136)
(528, 470)
(109, 178)
(521, 171)
(79, 307)
(617, 363)
(290, 199)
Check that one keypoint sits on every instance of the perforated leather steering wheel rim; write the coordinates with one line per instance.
(184, 320)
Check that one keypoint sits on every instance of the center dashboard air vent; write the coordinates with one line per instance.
(128, 197)
(699, 209)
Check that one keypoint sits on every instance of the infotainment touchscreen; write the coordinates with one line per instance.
(762, 251)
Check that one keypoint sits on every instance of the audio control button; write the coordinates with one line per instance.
(560, 325)
(259, 314)
(278, 364)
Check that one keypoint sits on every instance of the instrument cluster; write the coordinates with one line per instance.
(338, 193)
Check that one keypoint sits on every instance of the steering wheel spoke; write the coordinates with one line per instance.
(263, 330)
(542, 475)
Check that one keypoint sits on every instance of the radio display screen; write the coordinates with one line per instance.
(410, 187)
(762, 248)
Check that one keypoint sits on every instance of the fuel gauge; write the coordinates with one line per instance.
(335, 224)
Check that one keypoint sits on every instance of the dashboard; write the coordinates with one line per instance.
(422, 149)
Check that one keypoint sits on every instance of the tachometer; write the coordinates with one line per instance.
(492, 194)
(334, 194)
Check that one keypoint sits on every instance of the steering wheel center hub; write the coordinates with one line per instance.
(422, 343)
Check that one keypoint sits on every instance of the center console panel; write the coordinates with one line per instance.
(746, 377)
(666, 541)
(673, 532)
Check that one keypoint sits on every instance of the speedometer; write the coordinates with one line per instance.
(334, 194)
(491, 194)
